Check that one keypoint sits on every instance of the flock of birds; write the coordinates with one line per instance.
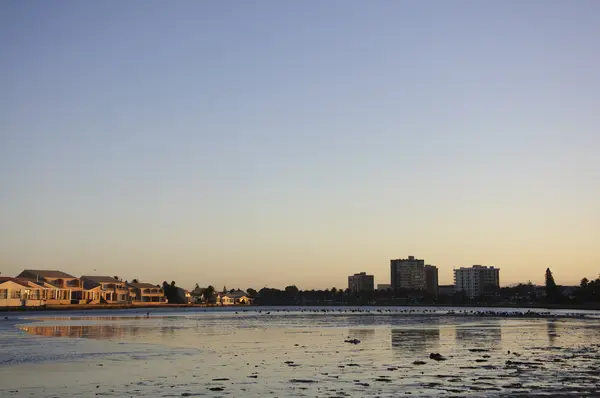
(412, 311)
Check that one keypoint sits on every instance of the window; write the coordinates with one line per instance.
(15, 294)
(3, 294)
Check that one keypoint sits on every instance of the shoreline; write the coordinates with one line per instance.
(86, 307)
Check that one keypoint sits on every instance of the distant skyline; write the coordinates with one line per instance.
(264, 143)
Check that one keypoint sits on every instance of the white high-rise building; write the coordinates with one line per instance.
(476, 280)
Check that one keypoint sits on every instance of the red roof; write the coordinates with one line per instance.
(6, 279)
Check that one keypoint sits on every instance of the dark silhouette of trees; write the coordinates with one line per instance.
(589, 291)
(172, 293)
(209, 294)
(291, 293)
(550, 284)
(523, 293)
(584, 283)
(552, 291)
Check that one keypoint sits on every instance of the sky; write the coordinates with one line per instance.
(269, 143)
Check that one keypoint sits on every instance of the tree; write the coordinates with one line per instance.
(251, 292)
(291, 294)
(171, 292)
(224, 290)
(584, 283)
(552, 292)
(135, 281)
(208, 294)
(550, 284)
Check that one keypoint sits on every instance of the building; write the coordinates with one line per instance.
(142, 293)
(224, 299)
(23, 292)
(408, 274)
(188, 297)
(49, 294)
(234, 297)
(71, 288)
(446, 290)
(16, 293)
(361, 282)
(431, 279)
(198, 294)
(57, 278)
(477, 280)
(384, 286)
(110, 289)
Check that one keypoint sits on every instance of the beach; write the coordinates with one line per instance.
(366, 351)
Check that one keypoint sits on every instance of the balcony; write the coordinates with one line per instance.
(152, 292)
(73, 283)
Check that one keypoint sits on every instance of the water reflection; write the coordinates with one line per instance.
(490, 334)
(98, 318)
(361, 334)
(415, 340)
(551, 330)
(84, 331)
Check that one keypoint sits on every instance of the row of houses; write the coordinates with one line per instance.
(34, 288)
(232, 297)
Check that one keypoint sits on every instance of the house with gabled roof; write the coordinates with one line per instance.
(197, 295)
(111, 290)
(16, 293)
(49, 293)
(71, 287)
(143, 293)
(57, 278)
(234, 297)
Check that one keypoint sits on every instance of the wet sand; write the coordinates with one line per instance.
(299, 353)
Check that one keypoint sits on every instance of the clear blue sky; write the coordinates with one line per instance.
(265, 143)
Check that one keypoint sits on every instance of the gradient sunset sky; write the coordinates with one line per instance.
(268, 143)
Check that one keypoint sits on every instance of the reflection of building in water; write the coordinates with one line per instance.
(552, 332)
(361, 334)
(415, 340)
(488, 334)
(81, 331)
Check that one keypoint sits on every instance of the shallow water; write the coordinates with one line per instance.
(297, 352)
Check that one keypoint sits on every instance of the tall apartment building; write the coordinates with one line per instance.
(408, 274)
(431, 279)
(413, 274)
(474, 281)
(361, 282)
